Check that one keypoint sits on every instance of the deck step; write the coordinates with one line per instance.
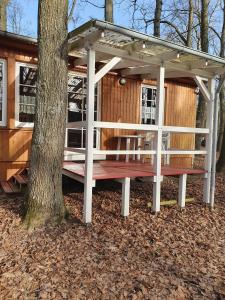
(22, 179)
(9, 187)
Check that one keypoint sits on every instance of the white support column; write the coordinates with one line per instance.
(158, 139)
(89, 137)
(182, 190)
(127, 148)
(214, 147)
(214, 150)
(125, 196)
(209, 125)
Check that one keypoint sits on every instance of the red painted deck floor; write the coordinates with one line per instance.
(109, 169)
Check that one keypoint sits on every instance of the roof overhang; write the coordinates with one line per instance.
(140, 53)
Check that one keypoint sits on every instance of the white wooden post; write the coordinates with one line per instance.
(118, 147)
(89, 137)
(158, 139)
(125, 196)
(214, 147)
(209, 137)
(214, 150)
(182, 190)
(127, 148)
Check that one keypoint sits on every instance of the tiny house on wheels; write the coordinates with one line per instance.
(132, 101)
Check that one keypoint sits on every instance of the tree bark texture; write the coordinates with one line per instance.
(201, 111)
(109, 11)
(222, 94)
(45, 203)
(3, 14)
(190, 23)
(157, 17)
(220, 167)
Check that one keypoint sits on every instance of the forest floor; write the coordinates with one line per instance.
(173, 255)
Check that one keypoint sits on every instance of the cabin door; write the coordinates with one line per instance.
(77, 91)
(148, 104)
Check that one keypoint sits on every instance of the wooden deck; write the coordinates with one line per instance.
(118, 169)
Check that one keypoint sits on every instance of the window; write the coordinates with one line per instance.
(77, 91)
(26, 78)
(3, 98)
(148, 104)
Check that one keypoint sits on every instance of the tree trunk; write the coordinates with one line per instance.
(190, 23)
(109, 11)
(201, 111)
(45, 203)
(220, 167)
(222, 123)
(221, 138)
(3, 14)
(204, 26)
(222, 94)
(157, 18)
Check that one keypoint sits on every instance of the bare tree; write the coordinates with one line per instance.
(45, 203)
(3, 14)
(109, 10)
(157, 18)
(221, 136)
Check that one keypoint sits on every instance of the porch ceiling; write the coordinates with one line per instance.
(140, 53)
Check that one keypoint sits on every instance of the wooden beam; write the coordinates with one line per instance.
(153, 61)
(158, 139)
(168, 56)
(139, 70)
(106, 68)
(209, 141)
(125, 197)
(89, 137)
(182, 190)
(202, 87)
(83, 42)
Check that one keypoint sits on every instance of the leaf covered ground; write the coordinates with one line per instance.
(174, 255)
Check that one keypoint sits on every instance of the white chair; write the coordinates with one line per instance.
(149, 143)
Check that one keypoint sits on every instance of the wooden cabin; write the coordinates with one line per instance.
(129, 102)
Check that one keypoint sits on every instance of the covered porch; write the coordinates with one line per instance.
(106, 47)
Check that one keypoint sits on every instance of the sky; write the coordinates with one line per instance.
(29, 9)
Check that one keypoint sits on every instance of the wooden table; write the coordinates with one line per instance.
(128, 139)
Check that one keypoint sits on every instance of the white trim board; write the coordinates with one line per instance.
(3, 121)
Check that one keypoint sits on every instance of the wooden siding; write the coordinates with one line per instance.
(122, 103)
(118, 103)
(180, 108)
(14, 142)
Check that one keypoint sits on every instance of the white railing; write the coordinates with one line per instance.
(141, 127)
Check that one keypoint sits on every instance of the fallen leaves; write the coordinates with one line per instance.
(175, 255)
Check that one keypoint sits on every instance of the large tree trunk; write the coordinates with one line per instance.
(45, 203)
(109, 10)
(201, 111)
(190, 23)
(221, 137)
(3, 14)
(222, 123)
(220, 167)
(157, 18)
